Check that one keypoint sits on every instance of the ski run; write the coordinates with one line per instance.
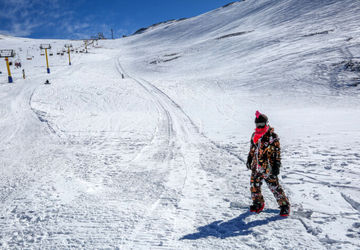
(142, 142)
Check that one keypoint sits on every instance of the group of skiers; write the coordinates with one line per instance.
(264, 161)
(17, 64)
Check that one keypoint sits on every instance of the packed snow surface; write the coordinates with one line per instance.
(141, 143)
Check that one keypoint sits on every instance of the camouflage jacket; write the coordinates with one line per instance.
(265, 153)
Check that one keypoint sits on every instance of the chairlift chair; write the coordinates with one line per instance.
(28, 56)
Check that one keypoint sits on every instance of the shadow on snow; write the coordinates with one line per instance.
(232, 228)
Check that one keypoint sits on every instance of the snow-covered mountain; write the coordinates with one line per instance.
(141, 143)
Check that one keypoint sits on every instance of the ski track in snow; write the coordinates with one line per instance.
(185, 133)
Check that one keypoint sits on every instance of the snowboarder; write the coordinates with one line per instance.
(264, 162)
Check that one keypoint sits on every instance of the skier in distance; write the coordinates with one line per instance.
(264, 162)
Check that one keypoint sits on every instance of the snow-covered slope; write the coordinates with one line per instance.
(140, 144)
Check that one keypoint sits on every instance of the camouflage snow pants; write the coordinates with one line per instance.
(273, 184)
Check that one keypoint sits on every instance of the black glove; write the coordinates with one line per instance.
(276, 168)
(248, 162)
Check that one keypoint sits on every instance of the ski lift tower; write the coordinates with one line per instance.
(6, 53)
(68, 46)
(86, 44)
(46, 47)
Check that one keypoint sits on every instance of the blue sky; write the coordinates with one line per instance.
(73, 19)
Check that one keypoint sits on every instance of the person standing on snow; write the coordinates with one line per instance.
(264, 162)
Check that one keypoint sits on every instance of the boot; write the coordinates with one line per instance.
(284, 210)
(257, 207)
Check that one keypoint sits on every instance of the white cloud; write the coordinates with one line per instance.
(23, 17)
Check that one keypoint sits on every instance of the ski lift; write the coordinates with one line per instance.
(7, 53)
(28, 56)
(51, 53)
(45, 46)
